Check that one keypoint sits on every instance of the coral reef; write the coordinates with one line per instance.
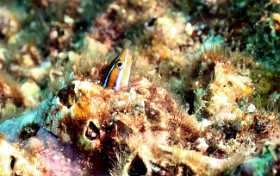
(202, 98)
(97, 114)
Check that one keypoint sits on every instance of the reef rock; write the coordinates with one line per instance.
(90, 116)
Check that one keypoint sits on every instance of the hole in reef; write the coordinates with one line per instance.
(13, 161)
(67, 95)
(92, 132)
(230, 130)
(187, 171)
(189, 98)
(152, 22)
(28, 131)
(137, 167)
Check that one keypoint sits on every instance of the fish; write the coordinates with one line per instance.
(118, 72)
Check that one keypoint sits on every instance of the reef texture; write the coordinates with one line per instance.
(203, 96)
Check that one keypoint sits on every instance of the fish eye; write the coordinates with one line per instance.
(119, 64)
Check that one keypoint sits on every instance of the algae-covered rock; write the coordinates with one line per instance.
(87, 114)
(14, 162)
